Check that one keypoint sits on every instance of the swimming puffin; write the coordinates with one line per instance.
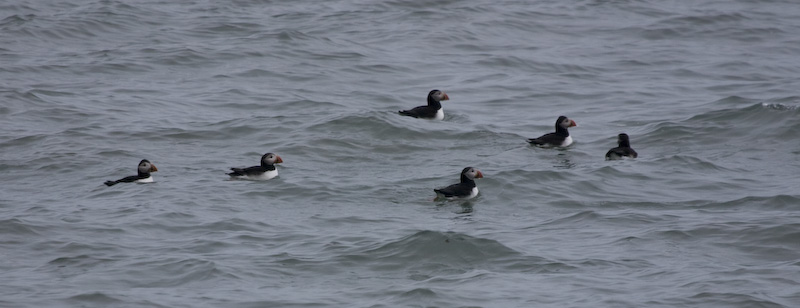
(560, 138)
(143, 176)
(432, 111)
(623, 150)
(264, 172)
(464, 190)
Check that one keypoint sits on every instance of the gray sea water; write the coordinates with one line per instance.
(707, 216)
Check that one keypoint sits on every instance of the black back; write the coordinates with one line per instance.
(556, 138)
(254, 170)
(428, 111)
(462, 189)
(623, 149)
(128, 179)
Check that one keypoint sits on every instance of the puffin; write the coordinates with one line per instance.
(560, 138)
(432, 111)
(622, 150)
(143, 176)
(264, 172)
(464, 190)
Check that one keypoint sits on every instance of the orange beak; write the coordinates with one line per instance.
(153, 168)
(278, 159)
(479, 175)
(572, 123)
(445, 97)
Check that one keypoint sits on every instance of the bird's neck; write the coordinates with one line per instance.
(434, 103)
(561, 131)
(466, 180)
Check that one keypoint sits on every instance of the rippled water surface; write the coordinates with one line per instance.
(707, 216)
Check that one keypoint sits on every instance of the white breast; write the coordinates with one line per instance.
(567, 141)
(148, 179)
(263, 177)
(439, 114)
(473, 193)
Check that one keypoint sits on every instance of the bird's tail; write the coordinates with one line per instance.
(236, 172)
(406, 113)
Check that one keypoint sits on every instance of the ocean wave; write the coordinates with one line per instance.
(447, 253)
(762, 203)
(424, 5)
(216, 227)
(737, 126)
(16, 20)
(169, 272)
(716, 25)
(15, 227)
(95, 298)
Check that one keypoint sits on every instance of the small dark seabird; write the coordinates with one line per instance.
(623, 150)
(432, 111)
(464, 190)
(145, 167)
(259, 173)
(560, 138)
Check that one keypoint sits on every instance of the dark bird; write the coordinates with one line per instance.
(266, 171)
(560, 138)
(432, 111)
(464, 190)
(143, 176)
(623, 149)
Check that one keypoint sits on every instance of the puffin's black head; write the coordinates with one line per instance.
(436, 95)
(270, 159)
(471, 173)
(565, 122)
(623, 140)
(146, 167)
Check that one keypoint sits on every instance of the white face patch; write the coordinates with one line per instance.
(471, 174)
(270, 158)
(144, 167)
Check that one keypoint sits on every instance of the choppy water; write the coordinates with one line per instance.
(708, 216)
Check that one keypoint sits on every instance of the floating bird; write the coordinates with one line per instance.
(623, 149)
(143, 176)
(259, 173)
(464, 190)
(432, 111)
(560, 138)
